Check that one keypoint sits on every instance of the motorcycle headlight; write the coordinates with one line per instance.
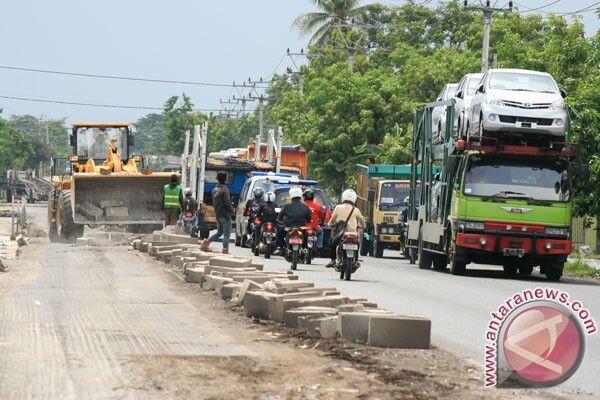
(493, 101)
(557, 231)
(558, 105)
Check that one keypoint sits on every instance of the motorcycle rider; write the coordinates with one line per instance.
(317, 215)
(345, 212)
(252, 207)
(294, 214)
(189, 202)
(266, 212)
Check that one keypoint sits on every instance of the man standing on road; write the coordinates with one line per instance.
(172, 200)
(224, 211)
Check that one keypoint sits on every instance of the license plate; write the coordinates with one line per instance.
(513, 252)
(350, 247)
(295, 241)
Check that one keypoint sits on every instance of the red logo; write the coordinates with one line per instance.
(543, 345)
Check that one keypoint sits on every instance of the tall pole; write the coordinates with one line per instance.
(279, 147)
(270, 140)
(184, 159)
(261, 127)
(487, 11)
(203, 137)
(194, 160)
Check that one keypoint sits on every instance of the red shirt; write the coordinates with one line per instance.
(317, 214)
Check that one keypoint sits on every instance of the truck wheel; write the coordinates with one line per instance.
(440, 262)
(425, 258)
(525, 269)
(554, 271)
(510, 269)
(378, 249)
(457, 267)
(67, 228)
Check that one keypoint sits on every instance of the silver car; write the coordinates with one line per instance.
(464, 94)
(518, 100)
(438, 115)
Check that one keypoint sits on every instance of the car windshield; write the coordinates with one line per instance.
(472, 84)
(525, 179)
(266, 185)
(282, 197)
(393, 195)
(521, 81)
(93, 143)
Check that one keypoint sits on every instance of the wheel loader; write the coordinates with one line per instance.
(102, 184)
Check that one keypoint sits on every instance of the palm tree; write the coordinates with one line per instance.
(332, 12)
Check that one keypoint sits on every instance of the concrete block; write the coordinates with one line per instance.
(303, 300)
(354, 326)
(157, 248)
(194, 275)
(90, 210)
(231, 272)
(84, 241)
(291, 317)
(116, 213)
(228, 289)
(136, 244)
(166, 255)
(256, 304)
(399, 331)
(258, 267)
(215, 282)
(368, 304)
(259, 278)
(195, 264)
(230, 262)
(246, 286)
(289, 286)
(351, 308)
(323, 328)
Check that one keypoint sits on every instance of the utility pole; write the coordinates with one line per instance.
(194, 160)
(184, 159)
(261, 124)
(487, 11)
(203, 138)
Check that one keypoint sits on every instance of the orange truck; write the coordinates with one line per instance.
(293, 158)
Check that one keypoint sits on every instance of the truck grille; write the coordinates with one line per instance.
(508, 119)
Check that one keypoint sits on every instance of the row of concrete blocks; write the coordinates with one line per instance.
(281, 297)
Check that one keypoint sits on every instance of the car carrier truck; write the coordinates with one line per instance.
(503, 199)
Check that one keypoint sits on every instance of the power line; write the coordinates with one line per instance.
(99, 105)
(540, 7)
(117, 77)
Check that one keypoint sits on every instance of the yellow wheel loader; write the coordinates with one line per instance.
(103, 184)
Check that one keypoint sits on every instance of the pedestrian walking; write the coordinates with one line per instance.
(223, 211)
(172, 200)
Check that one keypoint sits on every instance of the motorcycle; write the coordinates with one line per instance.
(187, 222)
(293, 246)
(310, 246)
(347, 256)
(268, 242)
(255, 228)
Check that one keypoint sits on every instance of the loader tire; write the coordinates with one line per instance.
(68, 229)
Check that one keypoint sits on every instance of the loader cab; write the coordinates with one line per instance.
(92, 141)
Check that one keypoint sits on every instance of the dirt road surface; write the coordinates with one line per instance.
(111, 323)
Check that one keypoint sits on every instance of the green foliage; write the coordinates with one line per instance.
(15, 148)
(150, 134)
(179, 117)
(231, 133)
(48, 138)
(580, 268)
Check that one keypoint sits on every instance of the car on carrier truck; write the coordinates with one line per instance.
(517, 100)
(383, 192)
(502, 202)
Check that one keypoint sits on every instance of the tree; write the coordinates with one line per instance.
(332, 13)
(178, 119)
(151, 134)
(49, 138)
(15, 149)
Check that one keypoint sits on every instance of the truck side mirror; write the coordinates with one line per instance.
(371, 195)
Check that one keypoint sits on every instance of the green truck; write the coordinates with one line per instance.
(502, 199)
(382, 193)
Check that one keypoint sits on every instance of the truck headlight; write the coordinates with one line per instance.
(557, 231)
(471, 225)
(558, 105)
(384, 230)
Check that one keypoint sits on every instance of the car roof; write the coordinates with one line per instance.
(474, 75)
(517, 70)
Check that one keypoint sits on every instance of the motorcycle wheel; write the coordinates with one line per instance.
(268, 251)
(294, 260)
(348, 268)
(342, 273)
(308, 258)
(255, 250)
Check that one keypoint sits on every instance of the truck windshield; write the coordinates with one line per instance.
(393, 196)
(525, 179)
(93, 143)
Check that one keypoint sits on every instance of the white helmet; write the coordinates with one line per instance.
(349, 195)
(294, 180)
(270, 197)
(295, 192)
(187, 191)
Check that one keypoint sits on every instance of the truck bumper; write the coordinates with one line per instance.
(499, 244)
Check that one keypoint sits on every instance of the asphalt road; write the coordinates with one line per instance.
(459, 306)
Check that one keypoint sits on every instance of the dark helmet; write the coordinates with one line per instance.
(309, 194)
(174, 179)
(258, 194)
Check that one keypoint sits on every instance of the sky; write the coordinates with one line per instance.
(217, 41)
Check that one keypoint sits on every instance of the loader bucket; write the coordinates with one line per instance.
(118, 198)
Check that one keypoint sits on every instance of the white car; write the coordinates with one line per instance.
(518, 100)
(464, 95)
(438, 115)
